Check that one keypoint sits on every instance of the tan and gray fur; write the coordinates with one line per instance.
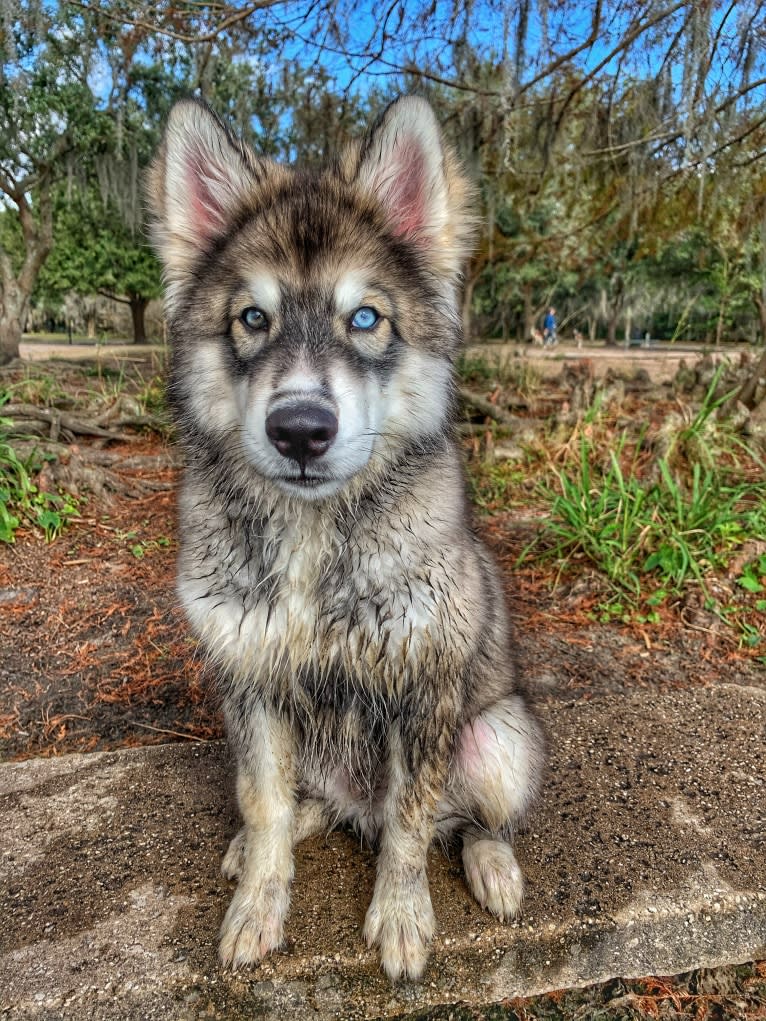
(330, 569)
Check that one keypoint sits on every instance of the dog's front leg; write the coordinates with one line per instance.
(254, 923)
(400, 919)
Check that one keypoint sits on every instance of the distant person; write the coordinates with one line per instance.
(579, 338)
(549, 328)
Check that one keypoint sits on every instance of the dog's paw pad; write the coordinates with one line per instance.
(252, 928)
(233, 860)
(401, 925)
(494, 876)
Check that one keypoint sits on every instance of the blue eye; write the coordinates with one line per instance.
(364, 318)
(254, 318)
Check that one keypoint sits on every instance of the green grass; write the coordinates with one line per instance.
(496, 486)
(753, 578)
(21, 501)
(637, 532)
(653, 514)
(493, 369)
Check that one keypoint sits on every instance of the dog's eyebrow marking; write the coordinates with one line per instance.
(350, 291)
(265, 291)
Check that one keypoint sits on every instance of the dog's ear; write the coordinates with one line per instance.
(198, 181)
(406, 164)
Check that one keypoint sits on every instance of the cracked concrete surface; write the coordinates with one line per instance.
(646, 855)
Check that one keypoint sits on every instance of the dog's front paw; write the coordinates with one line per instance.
(494, 877)
(400, 920)
(254, 924)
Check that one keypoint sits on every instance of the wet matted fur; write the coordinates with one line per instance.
(327, 559)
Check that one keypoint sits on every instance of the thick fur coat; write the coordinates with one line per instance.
(327, 560)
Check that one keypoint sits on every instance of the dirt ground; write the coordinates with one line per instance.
(660, 361)
(94, 653)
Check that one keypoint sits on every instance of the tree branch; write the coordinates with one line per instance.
(154, 28)
(113, 297)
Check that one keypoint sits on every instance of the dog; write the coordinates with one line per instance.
(327, 560)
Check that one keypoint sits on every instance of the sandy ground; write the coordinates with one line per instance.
(660, 361)
(33, 350)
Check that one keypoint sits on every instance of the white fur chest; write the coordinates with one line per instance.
(376, 609)
(255, 617)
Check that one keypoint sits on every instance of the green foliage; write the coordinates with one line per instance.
(484, 371)
(753, 578)
(649, 535)
(95, 251)
(496, 486)
(622, 198)
(11, 238)
(141, 547)
(21, 502)
(475, 369)
(47, 108)
(36, 387)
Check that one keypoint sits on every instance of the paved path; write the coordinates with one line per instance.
(647, 855)
(660, 360)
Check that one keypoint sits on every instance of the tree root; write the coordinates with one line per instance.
(471, 399)
(78, 470)
(24, 419)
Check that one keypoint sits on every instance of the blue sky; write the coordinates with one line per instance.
(552, 30)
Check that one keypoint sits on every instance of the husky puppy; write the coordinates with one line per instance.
(327, 560)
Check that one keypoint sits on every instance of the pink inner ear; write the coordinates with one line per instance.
(405, 194)
(207, 213)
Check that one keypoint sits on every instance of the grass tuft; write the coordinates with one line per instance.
(21, 501)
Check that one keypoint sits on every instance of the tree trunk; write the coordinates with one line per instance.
(10, 337)
(13, 310)
(760, 302)
(611, 328)
(529, 312)
(628, 327)
(137, 309)
(16, 288)
(719, 325)
(470, 283)
(748, 391)
(90, 324)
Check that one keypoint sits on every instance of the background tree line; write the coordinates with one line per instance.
(618, 149)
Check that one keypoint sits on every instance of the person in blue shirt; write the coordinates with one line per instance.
(549, 328)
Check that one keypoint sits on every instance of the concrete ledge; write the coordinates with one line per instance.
(646, 856)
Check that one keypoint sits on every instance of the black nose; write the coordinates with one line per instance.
(302, 431)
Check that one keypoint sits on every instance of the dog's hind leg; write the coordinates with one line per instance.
(495, 775)
(254, 923)
(493, 874)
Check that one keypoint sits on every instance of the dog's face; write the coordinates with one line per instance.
(314, 317)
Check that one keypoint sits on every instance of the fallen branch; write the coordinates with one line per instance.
(512, 423)
(474, 400)
(171, 733)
